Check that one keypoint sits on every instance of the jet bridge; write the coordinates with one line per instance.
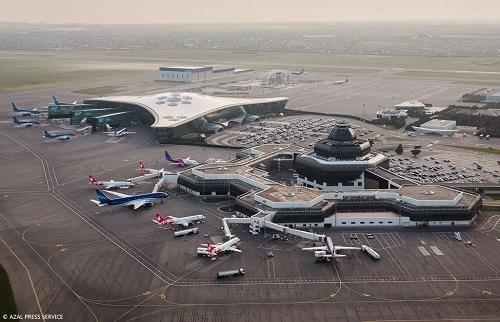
(259, 220)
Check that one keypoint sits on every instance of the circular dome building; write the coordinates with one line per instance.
(338, 161)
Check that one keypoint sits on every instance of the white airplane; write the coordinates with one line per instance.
(216, 161)
(214, 250)
(329, 250)
(179, 161)
(111, 184)
(182, 221)
(117, 133)
(148, 170)
(340, 82)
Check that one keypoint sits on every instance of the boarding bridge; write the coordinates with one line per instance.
(165, 178)
(143, 177)
(258, 221)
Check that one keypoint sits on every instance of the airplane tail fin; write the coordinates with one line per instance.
(92, 179)
(167, 156)
(159, 218)
(102, 197)
(109, 128)
(14, 107)
(141, 165)
(15, 120)
(55, 100)
(46, 134)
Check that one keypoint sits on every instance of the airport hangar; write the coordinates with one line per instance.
(176, 116)
(341, 183)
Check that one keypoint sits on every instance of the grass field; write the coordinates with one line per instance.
(24, 70)
(7, 304)
(464, 77)
(98, 91)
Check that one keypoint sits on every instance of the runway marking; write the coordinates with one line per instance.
(114, 139)
(423, 251)
(436, 250)
(29, 276)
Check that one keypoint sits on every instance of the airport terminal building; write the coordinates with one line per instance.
(178, 116)
(390, 200)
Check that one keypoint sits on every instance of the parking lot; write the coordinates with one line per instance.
(299, 130)
(446, 165)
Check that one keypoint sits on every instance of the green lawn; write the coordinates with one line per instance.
(26, 70)
(7, 304)
(99, 91)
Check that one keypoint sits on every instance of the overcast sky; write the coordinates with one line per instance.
(223, 11)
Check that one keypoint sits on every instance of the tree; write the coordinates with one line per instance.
(399, 149)
(416, 151)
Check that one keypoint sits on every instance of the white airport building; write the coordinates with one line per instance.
(411, 105)
(436, 126)
(189, 74)
(175, 114)
(493, 97)
(392, 114)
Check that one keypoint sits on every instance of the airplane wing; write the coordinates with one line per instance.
(234, 249)
(138, 203)
(315, 248)
(128, 132)
(97, 202)
(121, 195)
(347, 248)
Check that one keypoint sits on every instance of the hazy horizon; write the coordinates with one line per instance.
(259, 11)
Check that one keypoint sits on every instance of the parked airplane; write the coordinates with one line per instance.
(179, 161)
(117, 133)
(340, 82)
(56, 102)
(24, 112)
(300, 72)
(216, 161)
(135, 201)
(59, 136)
(24, 123)
(111, 184)
(184, 221)
(212, 251)
(329, 250)
(148, 170)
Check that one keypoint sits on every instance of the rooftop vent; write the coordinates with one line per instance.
(174, 99)
(160, 102)
(428, 192)
(188, 98)
(288, 194)
(172, 104)
(168, 117)
(221, 168)
(162, 98)
(186, 102)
